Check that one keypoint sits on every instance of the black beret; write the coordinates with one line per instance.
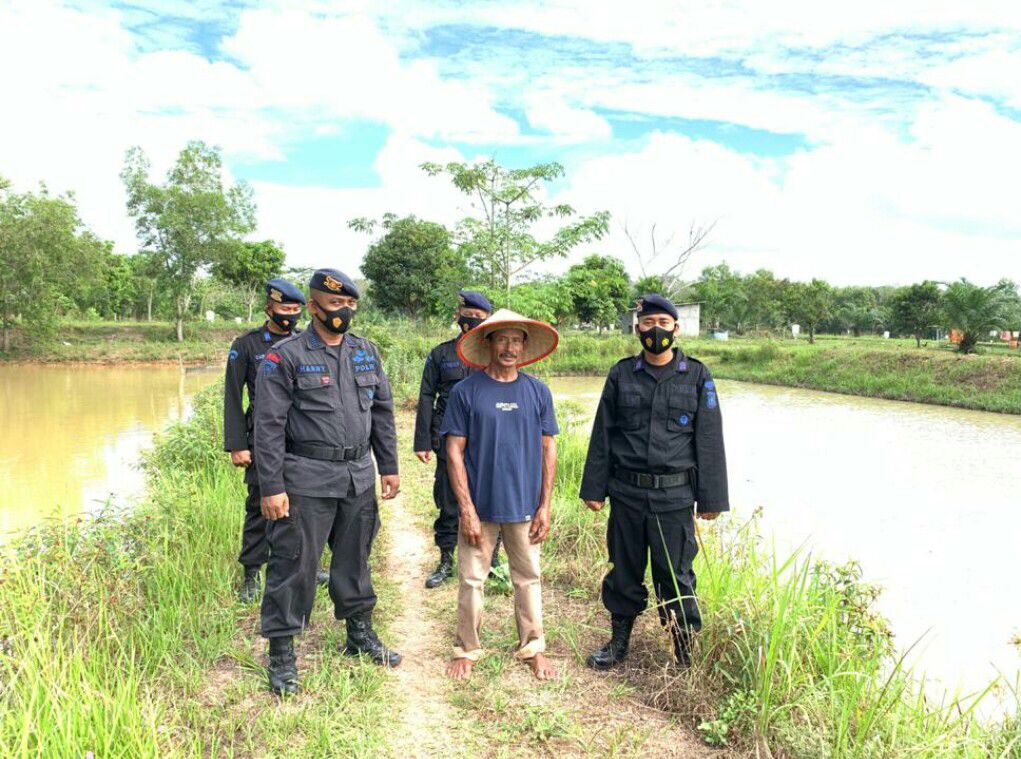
(651, 303)
(334, 282)
(472, 299)
(282, 291)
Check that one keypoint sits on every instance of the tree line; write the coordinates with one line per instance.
(194, 255)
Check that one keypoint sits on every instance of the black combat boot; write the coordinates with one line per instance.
(250, 586)
(322, 578)
(494, 561)
(362, 639)
(443, 570)
(615, 651)
(682, 647)
(283, 667)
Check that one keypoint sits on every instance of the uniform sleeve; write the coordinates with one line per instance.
(383, 434)
(548, 413)
(235, 427)
(595, 477)
(711, 459)
(455, 418)
(274, 386)
(426, 404)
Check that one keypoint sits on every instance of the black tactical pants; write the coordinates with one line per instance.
(296, 542)
(636, 535)
(445, 526)
(254, 547)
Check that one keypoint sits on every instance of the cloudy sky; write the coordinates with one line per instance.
(868, 142)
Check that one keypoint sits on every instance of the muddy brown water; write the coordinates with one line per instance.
(926, 498)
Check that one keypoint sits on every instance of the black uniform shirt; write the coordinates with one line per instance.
(340, 398)
(443, 369)
(673, 425)
(246, 353)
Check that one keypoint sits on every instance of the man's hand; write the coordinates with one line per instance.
(595, 505)
(471, 527)
(276, 507)
(708, 515)
(241, 458)
(540, 525)
(424, 456)
(390, 485)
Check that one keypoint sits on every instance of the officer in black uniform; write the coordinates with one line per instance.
(444, 369)
(284, 303)
(657, 452)
(324, 404)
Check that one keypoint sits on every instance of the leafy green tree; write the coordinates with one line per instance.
(762, 299)
(975, 311)
(720, 292)
(499, 242)
(546, 300)
(916, 309)
(48, 256)
(600, 289)
(189, 221)
(247, 265)
(412, 269)
(856, 309)
(651, 283)
(808, 304)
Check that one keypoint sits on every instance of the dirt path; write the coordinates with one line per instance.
(427, 718)
(588, 714)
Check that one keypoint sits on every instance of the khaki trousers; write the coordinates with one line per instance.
(473, 568)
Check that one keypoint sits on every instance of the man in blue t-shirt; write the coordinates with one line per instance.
(501, 456)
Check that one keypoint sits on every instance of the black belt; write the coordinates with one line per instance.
(327, 452)
(652, 481)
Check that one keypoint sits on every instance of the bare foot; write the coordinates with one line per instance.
(542, 668)
(460, 669)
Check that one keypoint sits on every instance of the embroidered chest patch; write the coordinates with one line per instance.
(312, 369)
(363, 361)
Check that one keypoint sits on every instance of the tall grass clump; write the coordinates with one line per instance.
(111, 629)
(792, 657)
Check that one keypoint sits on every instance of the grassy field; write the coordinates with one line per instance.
(122, 637)
(872, 367)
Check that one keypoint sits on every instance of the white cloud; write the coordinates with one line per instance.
(896, 183)
(312, 221)
(549, 110)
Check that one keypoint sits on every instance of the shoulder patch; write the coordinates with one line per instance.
(273, 358)
(232, 355)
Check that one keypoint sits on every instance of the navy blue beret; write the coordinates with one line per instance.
(334, 282)
(282, 291)
(651, 303)
(472, 299)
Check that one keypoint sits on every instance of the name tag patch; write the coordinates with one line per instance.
(312, 369)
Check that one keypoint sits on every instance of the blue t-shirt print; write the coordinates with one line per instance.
(504, 423)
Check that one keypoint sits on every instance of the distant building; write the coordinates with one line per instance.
(688, 317)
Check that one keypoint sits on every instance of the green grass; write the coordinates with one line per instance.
(866, 366)
(792, 653)
(122, 636)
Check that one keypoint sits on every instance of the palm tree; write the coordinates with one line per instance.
(973, 310)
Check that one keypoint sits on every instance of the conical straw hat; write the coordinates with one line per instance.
(473, 348)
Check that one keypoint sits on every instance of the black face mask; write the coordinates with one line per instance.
(657, 339)
(338, 321)
(286, 322)
(468, 322)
